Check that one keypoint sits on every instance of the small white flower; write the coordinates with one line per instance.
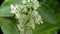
(18, 27)
(32, 24)
(13, 11)
(35, 12)
(24, 1)
(41, 22)
(37, 22)
(24, 8)
(37, 4)
(22, 30)
(28, 1)
(16, 6)
(17, 15)
(12, 7)
(35, 7)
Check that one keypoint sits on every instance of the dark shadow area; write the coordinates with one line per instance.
(1, 1)
(58, 31)
(39, 0)
(59, 1)
(1, 31)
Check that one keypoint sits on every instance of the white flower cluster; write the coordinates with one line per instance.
(27, 15)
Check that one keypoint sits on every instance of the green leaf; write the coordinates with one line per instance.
(48, 17)
(47, 13)
(4, 12)
(45, 28)
(5, 7)
(7, 27)
(58, 18)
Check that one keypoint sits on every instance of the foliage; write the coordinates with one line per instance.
(49, 11)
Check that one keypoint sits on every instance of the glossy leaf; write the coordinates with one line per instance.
(5, 7)
(7, 27)
(47, 14)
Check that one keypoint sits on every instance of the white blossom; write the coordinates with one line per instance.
(32, 23)
(24, 1)
(27, 15)
(12, 7)
(13, 11)
(17, 15)
(28, 1)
